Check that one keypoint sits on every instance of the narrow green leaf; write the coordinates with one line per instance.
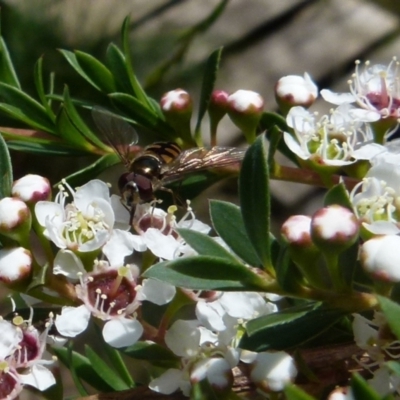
(78, 122)
(116, 62)
(70, 133)
(362, 390)
(209, 78)
(34, 114)
(156, 354)
(143, 115)
(45, 147)
(100, 76)
(287, 274)
(85, 174)
(206, 273)
(392, 312)
(73, 61)
(118, 364)
(137, 88)
(83, 368)
(205, 245)
(7, 71)
(38, 276)
(275, 331)
(228, 223)
(6, 173)
(38, 77)
(292, 392)
(106, 373)
(338, 195)
(255, 200)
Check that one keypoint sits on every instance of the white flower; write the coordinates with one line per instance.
(199, 350)
(227, 310)
(331, 139)
(158, 230)
(375, 88)
(86, 223)
(376, 200)
(245, 101)
(110, 292)
(270, 371)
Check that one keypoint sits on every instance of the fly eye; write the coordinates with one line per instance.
(124, 179)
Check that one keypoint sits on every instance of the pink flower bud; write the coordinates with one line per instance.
(380, 257)
(334, 228)
(15, 264)
(32, 188)
(176, 101)
(245, 109)
(15, 217)
(218, 105)
(295, 90)
(296, 231)
(177, 106)
(245, 102)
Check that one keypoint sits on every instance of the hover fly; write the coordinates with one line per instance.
(159, 163)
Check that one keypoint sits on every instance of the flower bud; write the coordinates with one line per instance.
(15, 218)
(217, 108)
(245, 109)
(31, 189)
(334, 229)
(15, 264)
(296, 232)
(177, 107)
(380, 257)
(295, 90)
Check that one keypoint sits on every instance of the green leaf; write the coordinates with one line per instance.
(394, 367)
(106, 373)
(119, 366)
(287, 274)
(143, 115)
(7, 72)
(116, 62)
(38, 276)
(38, 77)
(83, 368)
(205, 245)
(73, 61)
(361, 389)
(276, 331)
(79, 124)
(205, 273)
(158, 355)
(85, 174)
(6, 173)
(255, 199)
(292, 392)
(392, 312)
(29, 110)
(70, 133)
(338, 195)
(228, 223)
(99, 75)
(207, 87)
(45, 147)
(137, 88)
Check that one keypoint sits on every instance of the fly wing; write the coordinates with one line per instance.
(200, 159)
(115, 132)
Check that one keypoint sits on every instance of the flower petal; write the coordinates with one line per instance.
(168, 382)
(72, 321)
(39, 377)
(122, 332)
(67, 263)
(157, 292)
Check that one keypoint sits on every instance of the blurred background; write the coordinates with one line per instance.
(170, 41)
